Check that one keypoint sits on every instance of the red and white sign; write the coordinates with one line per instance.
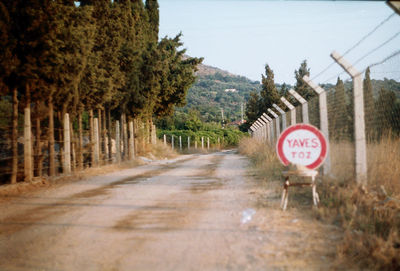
(302, 144)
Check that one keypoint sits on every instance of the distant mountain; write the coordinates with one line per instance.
(204, 70)
(216, 89)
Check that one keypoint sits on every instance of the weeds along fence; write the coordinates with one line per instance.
(91, 142)
(360, 115)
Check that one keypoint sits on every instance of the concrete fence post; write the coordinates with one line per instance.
(271, 127)
(208, 143)
(28, 170)
(277, 124)
(304, 105)
(188, 142)
(266, 128)
(180, 143)
(153, 134)
(131, 141)
(117, 142)
(292, 110)
(172, 142)
(283, 115)
(67, 145)
(323, 111)
(359, 121)
(165, 140)
(96, 141)
(202, 142)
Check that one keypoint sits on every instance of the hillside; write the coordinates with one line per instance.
(216, 89)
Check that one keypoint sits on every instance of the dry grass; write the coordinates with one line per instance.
(369, 215)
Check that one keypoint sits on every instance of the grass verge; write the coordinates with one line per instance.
(369, 215)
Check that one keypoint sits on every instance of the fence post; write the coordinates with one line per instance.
(180, 143)
(195, 143)
(208, 143)
(67, 146)
(188, 142)
(258, 126)
(304, 105)
(266, 128)
(323, 111)
(202, 142)
(292, 110)
(277, 124)
(153, 134)
(27, 145)
(283, 114)
(219, 143)
(96, 141)
(271, 127)
(172, 142)
(117, 142)
(359, 122)
(125, 137)
(165, 140)
(131, 141)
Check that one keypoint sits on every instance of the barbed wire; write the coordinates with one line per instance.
(377, 48)
(356, 44)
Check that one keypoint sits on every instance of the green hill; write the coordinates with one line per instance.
(216, 89)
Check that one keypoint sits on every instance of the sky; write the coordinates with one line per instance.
(242, 36)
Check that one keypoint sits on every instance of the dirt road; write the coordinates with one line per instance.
(185, 214)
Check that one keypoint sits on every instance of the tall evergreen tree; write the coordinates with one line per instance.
(177, 75)
(341, 121)
(301, 87)
(369, 105)
(253, 107)
(154, 17)
(269, 93)
(386, 112)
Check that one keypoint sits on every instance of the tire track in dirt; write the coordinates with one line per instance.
(17, 222)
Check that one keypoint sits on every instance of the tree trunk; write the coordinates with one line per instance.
(91, 135)
(80, 143)
(52, 164)
(14, 139)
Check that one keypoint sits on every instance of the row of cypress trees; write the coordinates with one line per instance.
(99, 56)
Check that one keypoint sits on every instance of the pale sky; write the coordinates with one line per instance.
(241, 36)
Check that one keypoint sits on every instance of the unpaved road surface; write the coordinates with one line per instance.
(185, 214)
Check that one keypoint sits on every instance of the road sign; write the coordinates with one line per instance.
(302, 144)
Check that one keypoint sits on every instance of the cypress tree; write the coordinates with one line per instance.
(369, 105)
(253, 107)
(341, 117)
(269, 93)
(301, 87)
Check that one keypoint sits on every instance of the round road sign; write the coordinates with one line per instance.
(302, 144)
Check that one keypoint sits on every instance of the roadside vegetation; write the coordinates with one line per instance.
(190, 125)
(369, 216)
